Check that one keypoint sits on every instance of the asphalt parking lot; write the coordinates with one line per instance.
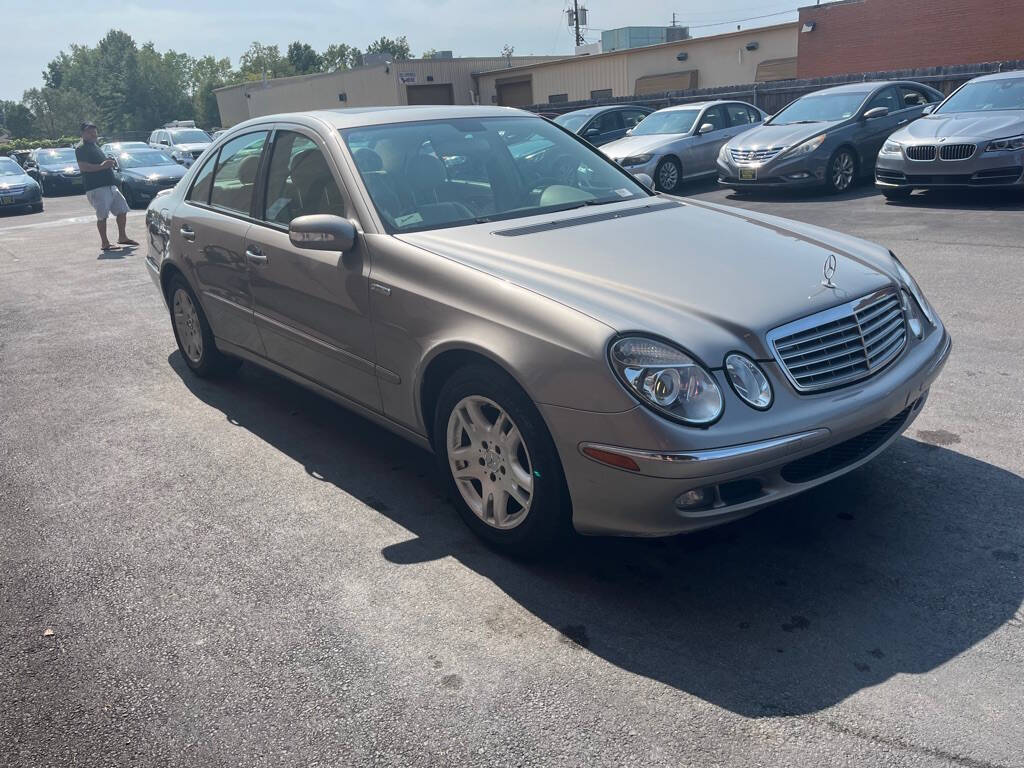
(240, 573)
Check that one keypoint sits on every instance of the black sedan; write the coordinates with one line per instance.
(56, 170)
(17, 189)
(827, 139)
(599, 125)
(142, 173)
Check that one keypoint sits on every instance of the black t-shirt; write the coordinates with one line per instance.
(90, 152)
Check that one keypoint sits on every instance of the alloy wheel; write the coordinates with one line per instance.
(842, 171)
(186, 321)
(489, 462)
(668, 176)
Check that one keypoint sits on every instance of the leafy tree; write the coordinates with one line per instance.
(209, 74)
(398, 48)
(429, 53)
(304, 59)
(17, 119)
(341, 56)
(263, 60)
(58, 111)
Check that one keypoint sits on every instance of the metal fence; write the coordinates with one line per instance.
(771, 97)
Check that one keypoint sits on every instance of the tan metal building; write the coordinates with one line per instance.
(747, 56)
(418, 81)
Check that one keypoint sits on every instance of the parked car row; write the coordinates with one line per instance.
(826, 139)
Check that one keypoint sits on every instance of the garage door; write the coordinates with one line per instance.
(439, 93)
(518, 94)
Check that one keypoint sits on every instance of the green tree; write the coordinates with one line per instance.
(398, 48)
(304, 59)
(17, 119)
(58, 111)
(261, 61)
(209, 74)
(429, 53)
(341, 56)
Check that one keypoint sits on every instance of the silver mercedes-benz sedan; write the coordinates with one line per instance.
(975, 138)
(678, 144)
(578, 352)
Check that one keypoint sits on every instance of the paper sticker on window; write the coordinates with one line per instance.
(623, 193)
(408, 220)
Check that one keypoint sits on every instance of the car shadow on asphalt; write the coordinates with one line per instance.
(964, 200)
(896, 568)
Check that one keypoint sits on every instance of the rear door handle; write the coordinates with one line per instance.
(255, 255)
(188, 233)
(903, 122)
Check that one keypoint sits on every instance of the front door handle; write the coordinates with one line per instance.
(255, 255)
(188, 233)
(903, 122)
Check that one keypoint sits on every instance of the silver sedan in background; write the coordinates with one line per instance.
(975, 138)
(677, 144)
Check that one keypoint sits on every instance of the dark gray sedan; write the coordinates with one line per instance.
(600, 125)
(141, 174)
(824, 139)
(975, 138)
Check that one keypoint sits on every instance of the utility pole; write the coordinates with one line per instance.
(576, 20)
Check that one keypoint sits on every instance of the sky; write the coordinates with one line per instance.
(227, 27)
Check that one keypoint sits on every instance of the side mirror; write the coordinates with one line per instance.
(322, 232)
(928, 109)
(629, 131)
(706, 128)
(591, 133)
(644, 179)
(871, 114)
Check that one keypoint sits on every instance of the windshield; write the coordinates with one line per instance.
(143, 159)
(823, 108)
(572, 121)
(986, 96)
(667, 121)
(9, 168)
(55, 156)
(447, 173)
(190, 136)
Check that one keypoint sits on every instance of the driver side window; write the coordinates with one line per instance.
(885, 98)
(715, 116)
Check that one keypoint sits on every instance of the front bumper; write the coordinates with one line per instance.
(58, 182)
(807, 440)
(28, 196)
(804, 171)
(984, 169)
(650, 167)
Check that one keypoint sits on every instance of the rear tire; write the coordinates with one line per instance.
(510, 489)
(193, 334)
(897, 194)
(668, 176)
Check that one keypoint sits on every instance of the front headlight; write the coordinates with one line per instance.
(1006, 145)
(749, 381)
(806, 147)
(891, 148)
(636, 160)
(723, 154)
(910, 284)
(667, 380)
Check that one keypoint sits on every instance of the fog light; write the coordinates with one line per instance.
(801, 175)
(698, 498)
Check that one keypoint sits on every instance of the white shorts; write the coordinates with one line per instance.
(106, 201)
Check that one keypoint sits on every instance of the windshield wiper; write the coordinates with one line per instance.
(799, 122)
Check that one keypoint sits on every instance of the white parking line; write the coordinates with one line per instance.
(61, 222)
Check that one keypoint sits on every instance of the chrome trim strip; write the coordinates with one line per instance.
(713, 461)
(234, 305)
(324, 347)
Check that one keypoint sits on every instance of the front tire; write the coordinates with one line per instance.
(668, 176)
(842, 171)
(500, 464)
(36, 207)
(193, 334)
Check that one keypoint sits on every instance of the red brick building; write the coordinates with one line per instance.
(880, 35)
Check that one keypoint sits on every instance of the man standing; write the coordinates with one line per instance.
(101, 187)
